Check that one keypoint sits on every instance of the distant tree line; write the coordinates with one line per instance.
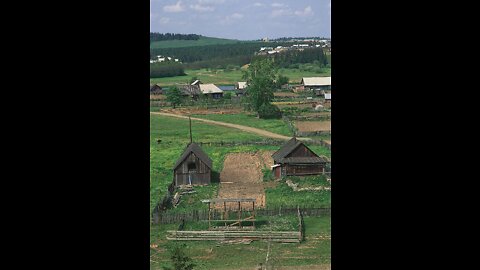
(202, 53)
(170, 36)
(166, 69)
(288, 58)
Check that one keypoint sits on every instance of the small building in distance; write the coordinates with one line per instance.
(317, 84)
(156, 89)
(193, 167)
(240, 88)
(211, 90)
(295, 159)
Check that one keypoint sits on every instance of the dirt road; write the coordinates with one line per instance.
(257, 131)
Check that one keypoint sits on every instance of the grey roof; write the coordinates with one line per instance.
(303, 160)
(286, 149)
(193, 147)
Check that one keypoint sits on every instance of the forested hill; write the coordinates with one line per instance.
(164, 41)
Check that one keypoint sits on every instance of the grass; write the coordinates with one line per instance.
(210, 255)
(273, 125)
(222, 77)
(284, 196)
(174, 133)
(202, 41)
(310, 181)
(174, 140)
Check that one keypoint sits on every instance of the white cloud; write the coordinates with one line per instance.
(306, 12)
(164, 20)
(153, 16)
(258, 5)
(178, 7)
(280, 12)
(200, 8)
(236, 16)
(278, 5)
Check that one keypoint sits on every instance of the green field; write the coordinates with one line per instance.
(202, 41)
(174, 135)
(210, 255)
(231, 77)
(273, 125)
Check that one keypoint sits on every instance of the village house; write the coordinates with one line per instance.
(240, 88)
(193, 167)
(317, 84)
(188, 90)
(295, 159)
(211, 90)
(156, 89)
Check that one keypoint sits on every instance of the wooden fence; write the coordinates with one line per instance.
(262, 142)
(164, 217)
(235, 235)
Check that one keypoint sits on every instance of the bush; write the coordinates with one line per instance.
(269, 111)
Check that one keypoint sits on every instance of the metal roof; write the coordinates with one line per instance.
(313, 81)
(328, 96)
(195, 82)
(210, 88)
(193, 147)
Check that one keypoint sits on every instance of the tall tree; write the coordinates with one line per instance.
(174, 96)
(261, 76)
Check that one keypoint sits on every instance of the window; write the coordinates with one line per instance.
(192, 166)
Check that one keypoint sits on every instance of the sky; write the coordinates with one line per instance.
(242, 19)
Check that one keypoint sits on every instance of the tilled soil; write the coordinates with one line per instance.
(242, 177)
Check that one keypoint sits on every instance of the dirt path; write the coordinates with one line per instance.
(242, 177)
(257, 131)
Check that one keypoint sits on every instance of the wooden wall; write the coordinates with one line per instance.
(201, 176)
(305, 169)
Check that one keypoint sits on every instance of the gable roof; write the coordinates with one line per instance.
(193, 147)
(210, 88)
(286, 149)
(291, 145)
(312, 81)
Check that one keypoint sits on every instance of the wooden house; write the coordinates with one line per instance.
(193, 167)
(295, 158)
(211, 90)
(317, 83)
(156, 89)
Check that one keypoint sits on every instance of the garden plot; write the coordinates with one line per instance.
(313, 126)
(242, 177)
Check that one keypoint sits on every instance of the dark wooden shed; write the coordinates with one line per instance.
(156, 89)
(193, 167)
(295, 158)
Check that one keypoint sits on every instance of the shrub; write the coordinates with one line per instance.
(269, 111)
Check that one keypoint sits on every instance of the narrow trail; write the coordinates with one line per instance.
(257, 131)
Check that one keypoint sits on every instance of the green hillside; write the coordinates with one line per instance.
(202, 41)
